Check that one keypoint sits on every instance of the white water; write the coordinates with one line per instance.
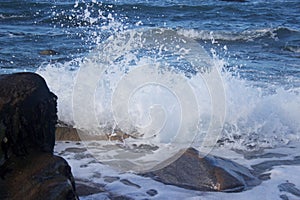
(86, 169)
(254, 117)
(114, 87)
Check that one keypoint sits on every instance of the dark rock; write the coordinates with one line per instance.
(268, 165)
(110, 179)
(152, 192)
(80, 156)
(209, 173)
(48, 52)
(129, 183)
(38, 176)
(265, 177)
(284, 197)
(97, 175)
(28, 169)
(290, 188)
(27, 113)
(76, 150)
(87, 188)
(120, 197)
(266, 155)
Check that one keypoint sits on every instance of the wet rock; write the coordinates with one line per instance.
(97, 175)
(76, 150)
(152, 192)
(284, 197)
(87, 188)
(38, 176)
(268, 165)
(209, 173)
(265, 177)
(266, 155)
(48, 52)
(80, 156)
(27, 113)
(110, 179)
(120, 197)
(66, 133)
(28, 168)
(129, 183)
(290, 188)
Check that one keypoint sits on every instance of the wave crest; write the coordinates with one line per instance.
(246, 35)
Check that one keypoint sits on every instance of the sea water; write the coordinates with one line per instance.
(208, 74)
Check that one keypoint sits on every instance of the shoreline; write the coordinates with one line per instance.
(270, 163)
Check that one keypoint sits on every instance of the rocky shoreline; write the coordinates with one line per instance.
(30, 170)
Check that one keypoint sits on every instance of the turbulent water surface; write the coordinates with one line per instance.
(100, 49)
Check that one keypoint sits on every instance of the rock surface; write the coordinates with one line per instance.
(84, 188)
(48, 52)
(289, 188)
(28, 168)
(38, 176)
(66, 134)
(27, 113)
(209, 173)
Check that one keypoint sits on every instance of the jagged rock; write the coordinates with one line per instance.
(28, 169)
(38, 176)
(209, 173)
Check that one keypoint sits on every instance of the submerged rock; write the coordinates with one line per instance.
(290, 188)
(270, 164)
(48, 52)
(152, 192)
(209, 173)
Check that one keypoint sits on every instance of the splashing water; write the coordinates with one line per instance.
(255, 117)
(147, 83)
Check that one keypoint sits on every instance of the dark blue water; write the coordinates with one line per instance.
(258, 40)
(261, 36)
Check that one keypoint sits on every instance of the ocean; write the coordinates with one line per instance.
(221, 76)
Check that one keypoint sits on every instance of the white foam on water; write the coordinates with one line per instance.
(255, 117)
(90, 170)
